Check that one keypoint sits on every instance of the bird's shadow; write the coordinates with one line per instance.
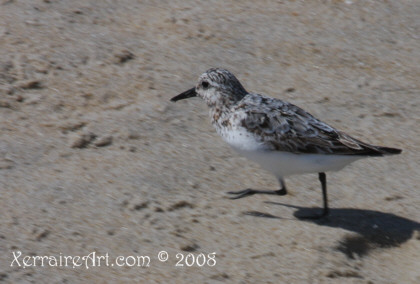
(374, 229)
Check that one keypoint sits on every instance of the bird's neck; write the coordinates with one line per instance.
(220, 114)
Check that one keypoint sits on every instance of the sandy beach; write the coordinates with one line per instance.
(96, 161)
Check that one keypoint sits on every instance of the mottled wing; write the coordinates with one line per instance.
(283, 126)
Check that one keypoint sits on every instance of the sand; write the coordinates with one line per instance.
(95, 160)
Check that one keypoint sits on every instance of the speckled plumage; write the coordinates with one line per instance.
(275, 125)
(282, 126)
(280, 136)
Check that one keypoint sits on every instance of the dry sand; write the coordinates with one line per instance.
(94, 157)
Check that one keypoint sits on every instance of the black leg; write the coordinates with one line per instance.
(249, 192)
(326, 210)
(323, 180)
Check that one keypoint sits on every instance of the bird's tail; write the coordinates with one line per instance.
(388, 150)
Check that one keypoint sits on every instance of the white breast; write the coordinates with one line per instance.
(240, 139)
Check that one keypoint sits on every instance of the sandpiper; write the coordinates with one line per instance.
(281, 137)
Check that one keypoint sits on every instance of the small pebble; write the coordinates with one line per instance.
(81, 140)
(103, 141)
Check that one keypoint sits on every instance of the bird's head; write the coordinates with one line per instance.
(216, 86)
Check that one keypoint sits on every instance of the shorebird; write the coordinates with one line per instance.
(281, 137)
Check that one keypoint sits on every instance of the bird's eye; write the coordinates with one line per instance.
(205, 84)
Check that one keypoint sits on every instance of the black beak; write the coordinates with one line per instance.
(185, 95)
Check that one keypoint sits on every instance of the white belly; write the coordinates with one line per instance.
(283, 164)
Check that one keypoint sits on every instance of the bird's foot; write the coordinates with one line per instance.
(324, 213)
(249, 192)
